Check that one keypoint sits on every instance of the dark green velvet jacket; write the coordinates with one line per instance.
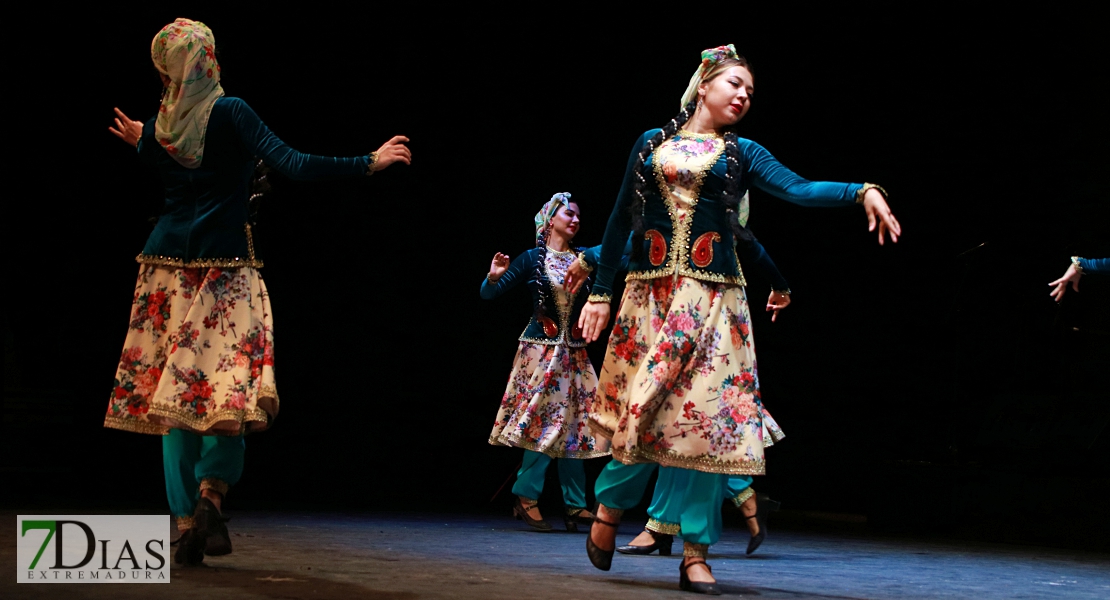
(703, 247)
(204, 222)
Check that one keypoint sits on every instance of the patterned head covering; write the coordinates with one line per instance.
(709, 59)
(185, 52)
(548, 212)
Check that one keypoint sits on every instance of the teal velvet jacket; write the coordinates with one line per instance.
(204, 222)
(721, 256)
(564, 326)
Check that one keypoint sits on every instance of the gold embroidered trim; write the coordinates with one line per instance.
(692, 274)
(185, 523)
(743, 496)
(660, 527)
(583, 263)
(686, 133)
(250, 242)
(216, 485)
(606, 298)
(554, 251)
(134, 425)
(269, 392)
(707, 464)
(619, 512)
(863, 190)
(1075, 263)
(199, 263)
(698, 550)
(582, 454)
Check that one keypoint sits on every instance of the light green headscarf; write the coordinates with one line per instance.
(548, 212)
(185, 52)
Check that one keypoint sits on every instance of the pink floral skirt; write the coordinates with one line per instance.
(678, 386)
(547, 401)
(199, 354)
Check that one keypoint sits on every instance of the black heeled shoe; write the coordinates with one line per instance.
(190, 549)
(698, 587)
(660, 541)
(602, 559)
(580, 516)
(521, 512)
(763, 507)
(210, 525)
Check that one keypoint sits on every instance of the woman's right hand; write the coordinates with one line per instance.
(593, 319)
(1071, 276)
(127, 129)
(392, 151)
(498, 266)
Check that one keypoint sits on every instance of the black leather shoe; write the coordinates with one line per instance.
(763, 507)
(661, 542)
(602, 559)
(521, 513)
(698, 587)
(210, 525)
(190, 549)
(578, 517)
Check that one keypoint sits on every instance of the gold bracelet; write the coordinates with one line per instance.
(582, 262)
(785, 292)
(493, 281)
(606, 298)
(370, 165)
(1075, 263)
(868, 186)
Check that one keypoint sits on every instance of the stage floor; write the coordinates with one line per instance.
(402, 556)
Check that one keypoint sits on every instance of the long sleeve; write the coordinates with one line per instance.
(149, 149)
(260, 141)
(1095, 266)
(754, 253)
(517, 272)
(769, 175)
(592, 255)
(619, 226)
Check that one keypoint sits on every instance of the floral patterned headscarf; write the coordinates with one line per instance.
(185, 52)
(548, 212)
(710, 58)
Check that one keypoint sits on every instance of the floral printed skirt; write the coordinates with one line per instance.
(679, 386)
(547, 402)
(199, 354)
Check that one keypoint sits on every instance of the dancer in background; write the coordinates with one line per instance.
(679, 385)
(552, 384)
(198, 362)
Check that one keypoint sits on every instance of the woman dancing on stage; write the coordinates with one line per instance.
(198, 362)
(679, 385)
(552, 383)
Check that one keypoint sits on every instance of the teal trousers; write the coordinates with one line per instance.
(572, 478)
(696, 496)
(194, 462)
(665, 509)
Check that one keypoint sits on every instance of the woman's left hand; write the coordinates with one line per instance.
(575, 276)
(776, 302)
(392, 151)
(127, 129)
(1070, 276)
(878, 213)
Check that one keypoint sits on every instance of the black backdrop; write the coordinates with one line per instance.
(934, 377)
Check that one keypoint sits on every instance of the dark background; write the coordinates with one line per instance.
(930, 386)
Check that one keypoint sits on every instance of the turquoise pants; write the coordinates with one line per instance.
(197, 462)
(665, 511)
(696, 496)
(572, 478)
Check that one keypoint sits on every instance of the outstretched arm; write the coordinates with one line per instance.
(769, 175)
(262, 142)
(1076, 270)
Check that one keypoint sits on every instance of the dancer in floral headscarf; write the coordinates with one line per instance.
(679, 387)
(198, 363)
(552, 383)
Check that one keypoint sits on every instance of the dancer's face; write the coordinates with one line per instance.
(565, 222)
(728, 96)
